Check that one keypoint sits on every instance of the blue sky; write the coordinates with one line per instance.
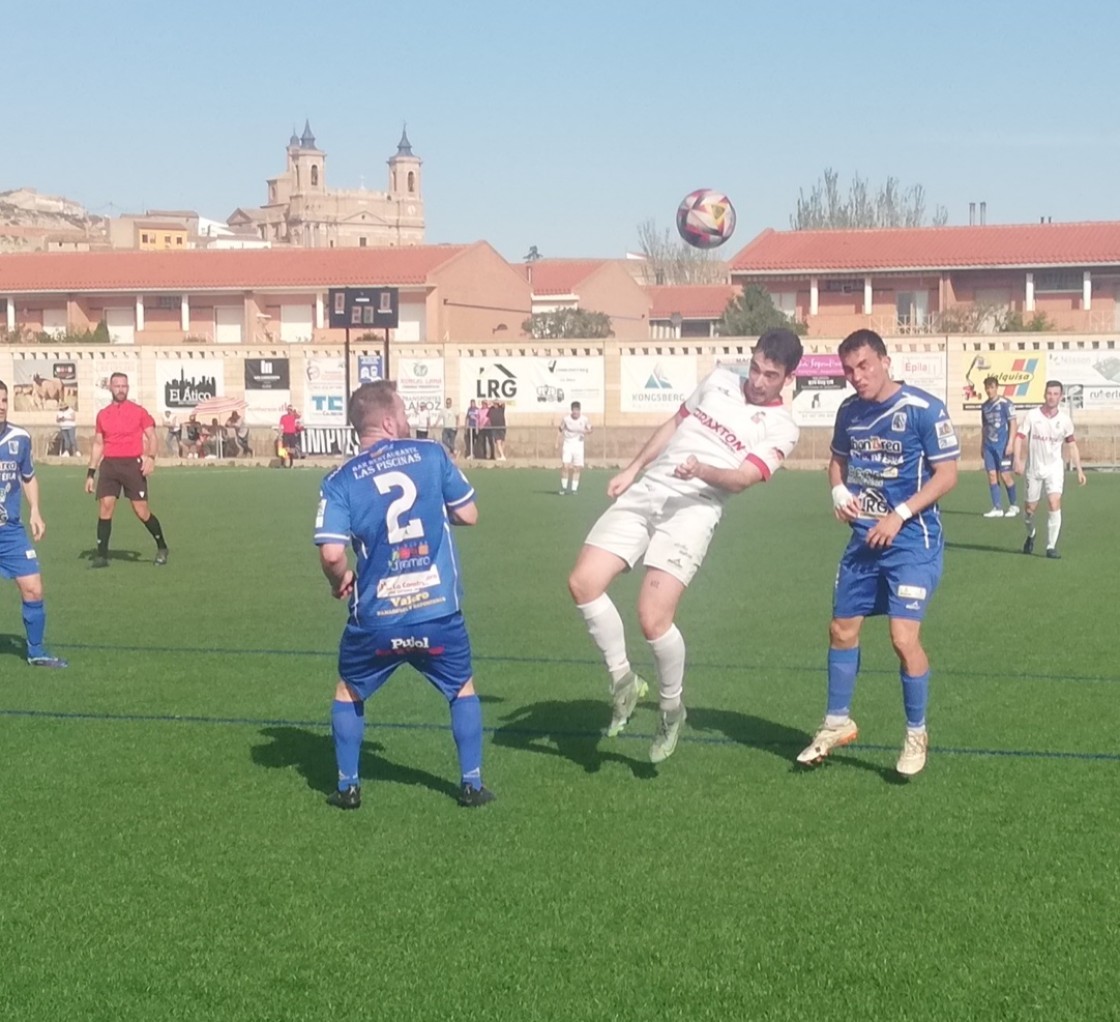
(565, 125)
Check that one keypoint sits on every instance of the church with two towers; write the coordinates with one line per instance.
(302, 211)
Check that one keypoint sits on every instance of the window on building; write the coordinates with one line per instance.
(169, 302)
(786, 303)
(330, 244)
(143, 239)
(850, 286)
(314, 175)
(362, 242)
(912, 308)
(1058, 280)
(179, 240)
(411, 181)
(167, 240)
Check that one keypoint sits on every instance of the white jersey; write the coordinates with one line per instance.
(721, 429)
(575, 429)
(1045, 435)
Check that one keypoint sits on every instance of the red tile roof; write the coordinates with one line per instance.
(692, 301)
(932, 248)
(559, 276)
(198, 270)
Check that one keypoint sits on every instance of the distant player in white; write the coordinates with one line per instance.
(574, 428)
(1044, 432)
(729, 434)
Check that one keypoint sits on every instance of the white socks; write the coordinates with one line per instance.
(605, 626)
(668, 654)
(1053, 527)
(1028, 521)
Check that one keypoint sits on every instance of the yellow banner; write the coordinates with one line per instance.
(1021, 376)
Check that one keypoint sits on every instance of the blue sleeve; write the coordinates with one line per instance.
(456, 490)
(1010, 413)
(938, 437)
(26, 465)
(841, 442)
(332, 520)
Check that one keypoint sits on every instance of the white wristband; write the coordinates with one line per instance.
(841, 496)
(903, 512)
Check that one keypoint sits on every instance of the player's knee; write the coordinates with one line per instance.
(907, 645)
(581, 587)
(31, 588)
(843, 633)
(654, 622)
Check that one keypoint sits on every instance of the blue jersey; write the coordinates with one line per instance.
(16, 468)
(890, 447)
(996, 416)
(391, 502)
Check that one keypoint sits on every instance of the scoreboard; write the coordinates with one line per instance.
(364, 308)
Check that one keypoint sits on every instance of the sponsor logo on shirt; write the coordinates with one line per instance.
(872, 444)
(944, 428)
(898, 422)
(407, 584)
(720, 430)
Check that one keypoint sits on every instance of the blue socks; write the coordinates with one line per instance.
(34, 624)
(348, 725)
(843, 666)
(466, 728)
(915, 696)
(993, 489)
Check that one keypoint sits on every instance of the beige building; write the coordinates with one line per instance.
(301, 210)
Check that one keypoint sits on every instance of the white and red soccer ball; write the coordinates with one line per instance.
(705, 218)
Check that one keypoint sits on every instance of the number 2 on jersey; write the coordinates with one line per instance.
(412, 528)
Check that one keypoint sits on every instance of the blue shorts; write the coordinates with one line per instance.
(897, 582)
(995, 458)
(440, 650)
(17, 556)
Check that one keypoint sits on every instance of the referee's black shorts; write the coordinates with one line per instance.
(118, 474)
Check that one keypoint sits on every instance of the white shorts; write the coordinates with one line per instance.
(1049, 480)
(571, 453)
(664, 529)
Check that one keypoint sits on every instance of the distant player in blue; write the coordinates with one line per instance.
(997, 415)
(894, 455)
(18, 559)
(396, 502)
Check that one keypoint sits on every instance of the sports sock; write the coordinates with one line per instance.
(843, 667)
(34, 625)
(605, 627)
(993, 489)
(348, 725)
(104, 528)
(915, 696)
(575, 483)
(1028, 521)
(1053, 527)
(466, 729)
(1011, 493)
(563, 481)
(668, 656)
(153, 526)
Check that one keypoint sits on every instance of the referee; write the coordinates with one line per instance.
(124, 448)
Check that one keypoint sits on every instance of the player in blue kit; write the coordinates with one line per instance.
(395, 502)
(18, 559)
(894, 455)
(997, 416)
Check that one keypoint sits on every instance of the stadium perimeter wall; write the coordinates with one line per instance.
(626, 387)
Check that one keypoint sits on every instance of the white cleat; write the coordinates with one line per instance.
(826, 739)
(994, 513)
(1012, 511)
(914, 749)
(624, 698)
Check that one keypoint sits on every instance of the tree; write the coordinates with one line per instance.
(825, 208)
(669, 260)
(568, 323)
(752, 313)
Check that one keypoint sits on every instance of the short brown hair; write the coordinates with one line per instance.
(862, 338)
(371, 401)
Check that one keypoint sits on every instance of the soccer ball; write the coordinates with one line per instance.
(705, 219)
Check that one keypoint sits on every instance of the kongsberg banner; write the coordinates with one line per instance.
(656, 383)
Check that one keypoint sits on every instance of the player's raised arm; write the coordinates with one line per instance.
(651, 450)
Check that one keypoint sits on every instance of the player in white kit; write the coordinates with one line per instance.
(1043, 432)
(574, 429)
(728, 435)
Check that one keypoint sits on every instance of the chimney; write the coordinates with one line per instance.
(983, 213)
(972, 214)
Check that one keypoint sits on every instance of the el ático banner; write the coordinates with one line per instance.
(183, 383)
(1021, 376)
(656, 383)
(819, 388)
(533, 383)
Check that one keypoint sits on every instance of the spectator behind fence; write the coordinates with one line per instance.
(498, 429)
(193, 437)
(238, 428)
(471, 437)
(450, 426)
(174, 434)
(67, 431)
(485, 439)
(420, 424)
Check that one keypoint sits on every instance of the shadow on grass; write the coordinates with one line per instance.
(114, 555)
(13, 645)
(311, 753)
(985, 548)
(568, 729)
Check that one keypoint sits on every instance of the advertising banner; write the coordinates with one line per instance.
(369, 369)
(420, 382)
(183, 383)
(656, 383)
(103, 372)
(1021, 376)
(533, 383)
(42, 384)
(1094, 368)
(819, 388)
(927, 370)
(324, 395)
(267, 390)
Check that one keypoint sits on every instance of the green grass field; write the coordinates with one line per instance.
(167, 852)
